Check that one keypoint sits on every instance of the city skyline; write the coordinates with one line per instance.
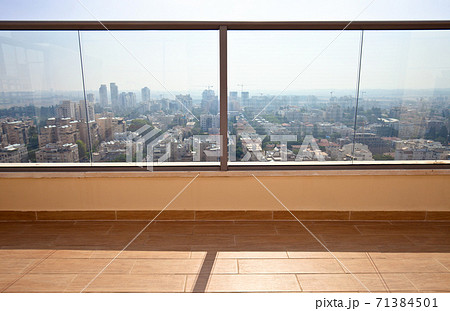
(260, 128)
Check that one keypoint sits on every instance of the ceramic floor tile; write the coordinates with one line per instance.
(374, 240)
(24, 253)
(155, 254)
(279, 242)
(170, 228)
(325, 254)
(333, 228)
(91, 239)
(79, 283)
(358, 265)
(66, 253)
(253, 283)
(190, 240)
(236, 229)
(410, 255)
(26, 240)
(16, 265)
(132, 227)
(225, 266)
(167, 266)
(181, 266)
(340, 282)
(120, 266)
(401, 228)
(138, 283)
(429, 239)
(50, 227)
(430, 281)
(225, 254)
(66, 266)
(412, 248)
(397, 282)
(42, 283)
(8, 279)
(18, 227)
(289, 266)
(445, 262)
(408, 265)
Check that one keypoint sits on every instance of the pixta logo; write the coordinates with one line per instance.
(142, 142)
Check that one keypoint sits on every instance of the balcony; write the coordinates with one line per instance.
(202, 183)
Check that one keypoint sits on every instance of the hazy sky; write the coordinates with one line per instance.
(187, 61)
(224, 9)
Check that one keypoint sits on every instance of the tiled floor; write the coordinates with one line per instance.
(224, 256)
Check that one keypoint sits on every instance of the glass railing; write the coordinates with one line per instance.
(150, 98)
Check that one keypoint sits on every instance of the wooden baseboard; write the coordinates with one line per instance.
(188, 215)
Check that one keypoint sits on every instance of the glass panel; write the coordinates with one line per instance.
(41, 98)
(404, 111)
(154, 95)
(292, 95)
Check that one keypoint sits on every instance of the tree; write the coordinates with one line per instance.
(239, 150)
(33, 139)
(443, 135)
(315, 131)
(120, 158)
(335, 136)
(382, 157)
(81, 149)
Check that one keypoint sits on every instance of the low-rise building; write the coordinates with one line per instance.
(420, 149)
(359, 152)
(16, 153)
(58, 153)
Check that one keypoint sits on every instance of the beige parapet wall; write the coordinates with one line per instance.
(390, 190)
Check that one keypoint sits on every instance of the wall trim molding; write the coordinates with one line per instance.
(192, 215)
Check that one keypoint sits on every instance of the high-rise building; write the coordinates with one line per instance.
(334, 113)
(245, 98)
(103, 92)
(233, 102)
(145, 93)
(127, 100)
(210, 123)
(90, 97)
(67, 109)
(210, 103)
(186, 100)
(114, 94)
(81, 110)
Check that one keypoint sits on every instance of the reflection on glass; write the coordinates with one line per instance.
(153, 95)
(42, 115)
(292, 95)
(404, 111)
